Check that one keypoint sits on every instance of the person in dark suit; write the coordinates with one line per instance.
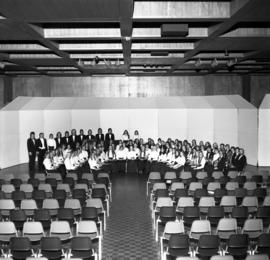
(41, 148)
(58, 139)
(81, 137)
(32, 150)
(241, 161)
(65, 139)
(109, 139)
(90, 136)
(73, 139)
(99, 136)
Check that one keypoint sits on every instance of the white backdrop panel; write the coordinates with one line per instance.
(56, 120)
(172, 123)
(85, 119)
(145, 121)
(225, 126)
(117, 119)
(200, 124)
(9, 138)
(264, 137)
(29, 121)
(248, 134)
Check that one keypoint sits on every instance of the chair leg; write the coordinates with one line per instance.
(108, 208)
(157, 230)
(99, 249)
(161, 247)
(147, 185)
(104, 219)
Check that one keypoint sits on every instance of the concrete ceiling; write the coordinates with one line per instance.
(103, 37)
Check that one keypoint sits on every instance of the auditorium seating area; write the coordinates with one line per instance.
(54, 218)
(202, 216)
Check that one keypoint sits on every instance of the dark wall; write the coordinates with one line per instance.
(253, 87)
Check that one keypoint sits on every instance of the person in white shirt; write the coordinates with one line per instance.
(136, 135)
(125, 136)
(200, 162)
(180, 160)
(83, 155)
(121, 153)
(51, 143)
(93, 162)
(69, 163)
(154, 154)
(162, 155)
(110, 155)
(131, 154)
(48, 163)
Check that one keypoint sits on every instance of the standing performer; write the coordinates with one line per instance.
(32, 150)
(42, 148)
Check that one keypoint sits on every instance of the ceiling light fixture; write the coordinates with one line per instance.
(198, 63)
(214, 62)
(231, 62)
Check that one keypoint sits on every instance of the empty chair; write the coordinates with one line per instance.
(51, 247)
(222, 257)
(175, 186)
(214, 214)
(56, 176)
(52, 205)
(79, 194)
(240, 193)
(160, 193)
(82, 186)
(238, 245)
(17, 197)
(171, 228)
(89, 177)
(72, 175)
(223, 181)
(24, 177)
(251, 202)
(6, 205)
(266, 201)
(208, 245)
(52, 182)
(184, 202)
(194, 186)
(158, 186)
(16, 183)
(29, 207)
(198, 228)
(190, 214)
(198, 194)
(178, 245)
(226, 227)
(8, 189)
(47, 188)
(39, 196)
(20, 247)
(264, 214)
(161, 202)
(60, 229)
(28, 189)
(61, 196)
(178, 193)
(240, 214)
(7, 177)
(69, 181)
(217, 175)
(2, 195)
(41, 177)
(7, 230)
(257, 257)
(250, 186)
(212, 186)
(257, 178)
(73, 204)
(260, 193)
(231, 186)
(43, 216)
(18, 217)
(186, 177)
(228, 203)
(219, 193)
(65, 187)
(34, 182)
(66, 214)
(248, 175)
(200, 176)
(170, 176)
(232, 174)
(263, 244)
(97, 203)
(253, 227)
(33, 230)
(241, 179)
(205, 203)
(81, 247)
(101, 193)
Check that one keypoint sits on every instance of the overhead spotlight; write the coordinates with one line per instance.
(2, 65)
(214, 62)
(198, 63)
(96, 60)
(226, 53)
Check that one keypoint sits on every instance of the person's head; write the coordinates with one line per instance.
(73, 132)
(181, 154)
(109, 131)
(99, 131)
(242, 151)
(136, 132)
(67, 134)
(41, 135)
(237, 150)
(125, 132)
(58, 135)
(232, 149)
(51, 136)
(200, 154)
(89, 132)
(32, 135)
(81, 132)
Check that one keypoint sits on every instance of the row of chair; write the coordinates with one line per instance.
(81, 247)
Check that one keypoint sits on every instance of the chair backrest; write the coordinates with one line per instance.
(257, 257)
(185, 175)
(60, 229)
(28, 204)
(7, 204)
(200, 227)
(63, 186)
(253, 227)
(174, 227)
(7, 230)
(177, 185)
(164, 202)
(217, 175)
(207, 202)
(33, 230)
(159, 186)
(26, 187)
(87, 228)
(46, 187)
(50, 204)
(231, 185)
(212, 186)
(40, 176)
(185, 202)
(194, 186)
(226, 227)
(201, 175)
(72, 204)
(266, 201)
(228, 201)
(250, 201)
(170, 175)
(250, 185)
(8, 188)
(82, 186)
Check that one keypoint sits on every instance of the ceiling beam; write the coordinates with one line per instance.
(126, 8)
(220, 29)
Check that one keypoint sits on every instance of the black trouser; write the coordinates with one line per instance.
(32, 160)
(41, 155)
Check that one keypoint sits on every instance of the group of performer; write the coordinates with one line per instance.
(85, 153)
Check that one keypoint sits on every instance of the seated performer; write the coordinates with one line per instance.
(200, 162)
(48, 162)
